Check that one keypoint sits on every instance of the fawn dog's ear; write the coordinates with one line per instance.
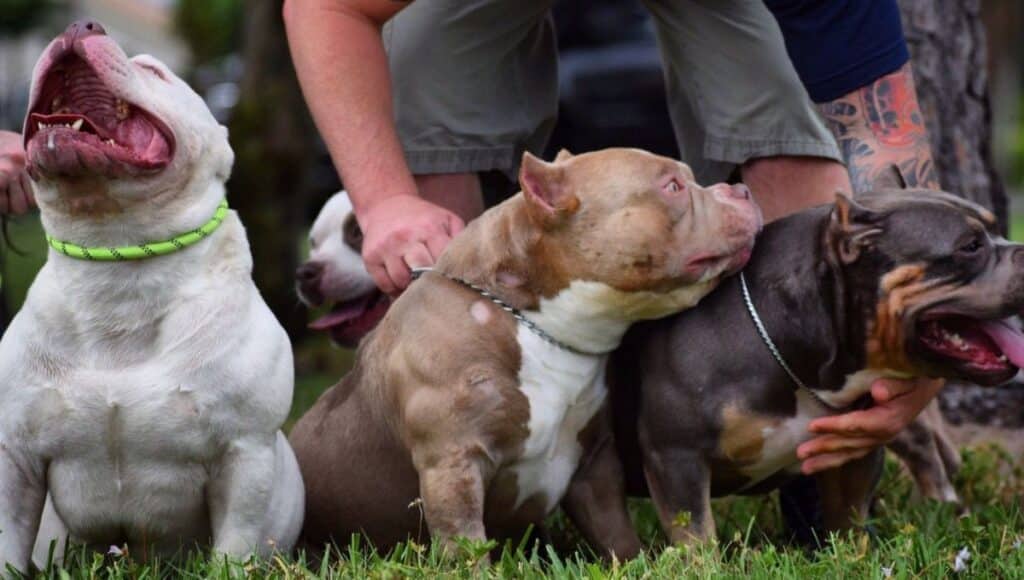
(546, 190)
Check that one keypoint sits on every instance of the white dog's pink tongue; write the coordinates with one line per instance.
(1009, 339)
(341, 313)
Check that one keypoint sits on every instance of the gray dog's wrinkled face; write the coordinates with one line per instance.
(335, 275)
(939, 285)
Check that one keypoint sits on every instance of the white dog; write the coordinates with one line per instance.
(144, 396)
(335, 275)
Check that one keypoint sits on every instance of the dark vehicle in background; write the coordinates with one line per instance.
(611, 84)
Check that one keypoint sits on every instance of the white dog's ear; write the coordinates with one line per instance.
(226, 156)
(224, 129)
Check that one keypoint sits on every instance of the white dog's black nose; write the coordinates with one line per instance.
(82, 29)
(309, 272)
(307, 279)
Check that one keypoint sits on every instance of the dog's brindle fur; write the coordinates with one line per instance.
(702, 407)
(450, 397)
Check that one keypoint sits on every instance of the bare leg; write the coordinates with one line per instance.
(786, 184)
(457, 192)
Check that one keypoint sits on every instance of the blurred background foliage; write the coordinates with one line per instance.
(211, 28)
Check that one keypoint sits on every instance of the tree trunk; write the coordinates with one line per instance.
(274, 141)
(949, 54)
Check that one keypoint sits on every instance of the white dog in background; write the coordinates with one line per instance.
(144, 397)
(335, 275)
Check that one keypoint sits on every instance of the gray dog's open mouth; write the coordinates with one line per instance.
(980, 347)
(78, 126)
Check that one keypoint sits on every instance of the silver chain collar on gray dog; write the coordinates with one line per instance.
(515, 312)
(761, 330)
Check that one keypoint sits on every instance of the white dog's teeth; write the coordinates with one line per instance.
(1002, 358)
(109, 142)
(40, 126)
(77, 125)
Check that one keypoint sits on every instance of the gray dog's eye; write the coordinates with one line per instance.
(971, 246)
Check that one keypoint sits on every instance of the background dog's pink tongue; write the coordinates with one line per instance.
(1009, 339)
(342, 313)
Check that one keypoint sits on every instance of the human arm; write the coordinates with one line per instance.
(854, 62)
(342, 67)
(880, 125)
(877, 126)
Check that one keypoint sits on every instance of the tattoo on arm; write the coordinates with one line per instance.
(879, 125)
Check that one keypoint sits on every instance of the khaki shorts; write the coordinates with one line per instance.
(475, 84)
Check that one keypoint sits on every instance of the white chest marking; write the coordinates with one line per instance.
(564, 391)
(781, 440)
(592, 316)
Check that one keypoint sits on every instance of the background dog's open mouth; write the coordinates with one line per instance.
(78, 126)
(981, 346)
(351, 320)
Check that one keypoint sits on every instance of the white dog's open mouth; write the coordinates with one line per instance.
(79, 126)
(349, 321)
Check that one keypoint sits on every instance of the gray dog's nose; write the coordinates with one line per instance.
(82, 29)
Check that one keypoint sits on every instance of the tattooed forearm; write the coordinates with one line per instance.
(880, 125)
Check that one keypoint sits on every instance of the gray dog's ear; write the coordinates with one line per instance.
(563, 155)
(890, 178)
(546, 189)
(852, 228)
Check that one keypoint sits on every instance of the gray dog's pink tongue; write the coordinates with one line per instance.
(1009, 339)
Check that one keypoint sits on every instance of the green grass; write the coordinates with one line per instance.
(913, 539)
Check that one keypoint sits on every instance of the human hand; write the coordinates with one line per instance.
(853, 435)
(16, 194)
(403, 232)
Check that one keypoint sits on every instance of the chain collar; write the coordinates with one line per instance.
(515, 312)
(145, 250)
(763, 332)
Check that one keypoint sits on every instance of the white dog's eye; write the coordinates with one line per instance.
(673, 186)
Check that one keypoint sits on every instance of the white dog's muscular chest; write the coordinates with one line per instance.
(565, 390)
(129, 403)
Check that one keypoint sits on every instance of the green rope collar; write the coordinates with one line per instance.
(142, 251)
